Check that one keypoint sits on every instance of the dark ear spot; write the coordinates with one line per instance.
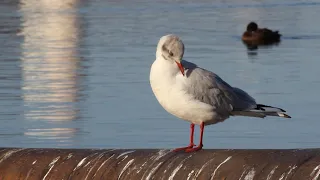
(164, 48)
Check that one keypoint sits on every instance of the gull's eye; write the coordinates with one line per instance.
(170, 53)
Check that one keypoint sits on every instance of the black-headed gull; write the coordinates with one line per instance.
(198, 95)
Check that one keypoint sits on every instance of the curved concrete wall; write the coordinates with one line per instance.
(134, 164)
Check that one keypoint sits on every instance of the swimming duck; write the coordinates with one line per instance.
(255, 35)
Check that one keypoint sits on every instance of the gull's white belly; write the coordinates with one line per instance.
(183, 107)
(170, 94)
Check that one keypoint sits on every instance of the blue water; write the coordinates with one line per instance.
(75, 74)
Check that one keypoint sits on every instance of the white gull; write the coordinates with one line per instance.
(197, 95)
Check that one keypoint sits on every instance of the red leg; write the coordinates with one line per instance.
(191, 140)
(199, 147)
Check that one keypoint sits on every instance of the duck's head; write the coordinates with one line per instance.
(252, 26)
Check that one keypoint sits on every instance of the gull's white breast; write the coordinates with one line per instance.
(169, 88)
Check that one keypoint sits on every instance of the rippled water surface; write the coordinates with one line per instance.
(75, 73)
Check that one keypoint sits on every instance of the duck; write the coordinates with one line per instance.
(255, 35)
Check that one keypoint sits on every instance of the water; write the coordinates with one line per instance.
(75, 74)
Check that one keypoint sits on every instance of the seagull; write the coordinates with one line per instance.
(197, 95)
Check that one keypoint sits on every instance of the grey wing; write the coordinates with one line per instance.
(244, 100)
(209, 88)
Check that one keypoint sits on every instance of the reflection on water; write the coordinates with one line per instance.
(50, 63)
(252, 49)
(52, 133)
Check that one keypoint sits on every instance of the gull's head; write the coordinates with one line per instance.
(171, 48)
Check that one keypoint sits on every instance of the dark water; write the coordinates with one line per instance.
(76, 73)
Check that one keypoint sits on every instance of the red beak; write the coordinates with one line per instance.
(180, 67)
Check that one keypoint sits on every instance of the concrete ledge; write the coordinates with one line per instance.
(139, 164)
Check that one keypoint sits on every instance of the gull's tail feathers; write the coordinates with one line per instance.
(262, 111)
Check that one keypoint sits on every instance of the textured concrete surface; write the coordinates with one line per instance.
(143, 164)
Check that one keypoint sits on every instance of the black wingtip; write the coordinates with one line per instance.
(284, 115)
(261, 107)
(287, 116)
